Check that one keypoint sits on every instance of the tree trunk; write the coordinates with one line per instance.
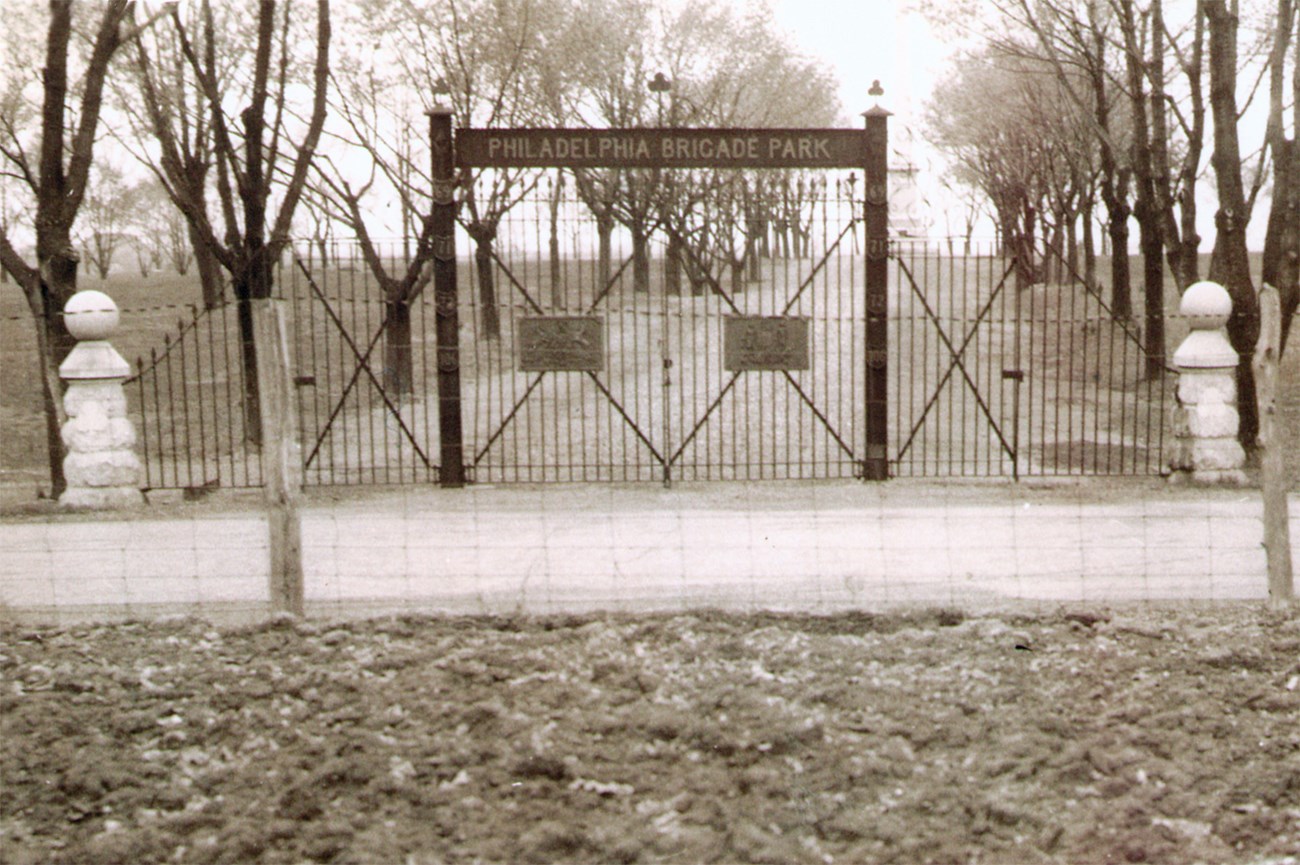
(1190, 241)
(1161, 176)
(737, 276)
(1121, 291)
(1153, 296)
(1147, 207)
(1231, 264)
(553, 244)
(487, 291)
(1114, 188)
(58, 282)
(605, 247)
(398, 368)
(1071, 247)
(1089, 245)
(243, 291)
(1282, 236)
(640, 258)
(1021, 241)
(211, 279)
(673, 264)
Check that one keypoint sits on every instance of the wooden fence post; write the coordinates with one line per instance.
(1277, 529)
(281, 457)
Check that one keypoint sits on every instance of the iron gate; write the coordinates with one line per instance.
(749, 322)
(713, 333)
(696, 373)
(998, 378)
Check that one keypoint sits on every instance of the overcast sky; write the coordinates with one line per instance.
(864, 40)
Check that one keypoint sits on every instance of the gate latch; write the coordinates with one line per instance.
(1013, 374)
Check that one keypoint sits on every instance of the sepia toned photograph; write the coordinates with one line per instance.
(649, 431)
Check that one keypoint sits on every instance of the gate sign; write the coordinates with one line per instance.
(660, 148)
(753, 343)
(561, 343)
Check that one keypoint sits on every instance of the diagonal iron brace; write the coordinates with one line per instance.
(363, 364)
(957, 364)
(817, 268)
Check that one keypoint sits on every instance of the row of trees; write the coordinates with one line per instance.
(240, 114)
(1061, 105)
(524, 63)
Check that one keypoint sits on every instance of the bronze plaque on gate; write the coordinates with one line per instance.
(752, 342)
(561, 343)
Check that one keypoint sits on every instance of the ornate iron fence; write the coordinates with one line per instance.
(189, 395)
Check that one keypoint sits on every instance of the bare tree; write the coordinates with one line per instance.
(379, 138)
(265, 150)
(484, 57)
(1281, 266)
(53, 163)
(101, 224)
(162, 69)
(1146, 210)
(1002, 119)
(153, 221)
(1230, 264)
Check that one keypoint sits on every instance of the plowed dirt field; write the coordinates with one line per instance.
(1083, 736)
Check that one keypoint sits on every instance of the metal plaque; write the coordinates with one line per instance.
(764, 343)
(661, 148)
(561, 343)
(444, 247)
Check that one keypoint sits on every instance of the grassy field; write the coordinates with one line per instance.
(1089, 736)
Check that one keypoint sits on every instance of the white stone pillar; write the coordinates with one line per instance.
(101, 468)
(1206, 449)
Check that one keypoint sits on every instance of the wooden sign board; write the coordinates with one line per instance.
(660, 148)
(756, 343)
(561, 343)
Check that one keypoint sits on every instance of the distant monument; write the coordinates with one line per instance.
(907, 204)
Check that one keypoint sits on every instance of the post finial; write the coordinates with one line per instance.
(441, 97)
(876, 91)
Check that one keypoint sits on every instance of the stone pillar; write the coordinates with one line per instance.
(101, 468)
(1206, 449)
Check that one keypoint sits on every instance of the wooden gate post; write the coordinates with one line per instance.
(451, 471)
(876, 218)
(1272, 441)
(281, 455)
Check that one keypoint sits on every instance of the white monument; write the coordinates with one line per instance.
(1206, 449)
(101, 467)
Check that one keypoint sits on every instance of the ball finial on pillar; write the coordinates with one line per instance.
(1206, 449)
(100, 468)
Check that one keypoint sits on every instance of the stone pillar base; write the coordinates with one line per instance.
(101, 468)
(1205, 421)
(1210, 477)
(100, 498)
